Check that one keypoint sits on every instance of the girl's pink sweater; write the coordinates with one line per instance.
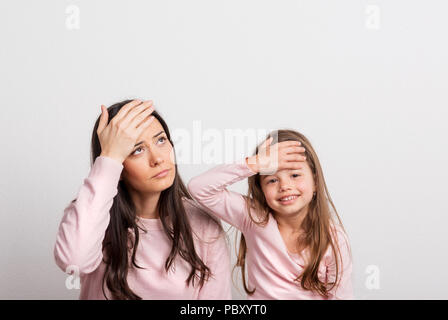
(271, 268)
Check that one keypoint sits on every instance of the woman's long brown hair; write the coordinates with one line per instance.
(123, 217)
(318, 224)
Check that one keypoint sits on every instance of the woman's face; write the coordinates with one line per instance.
(289, 192)
(150, 167)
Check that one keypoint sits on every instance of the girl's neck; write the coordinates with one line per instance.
(290, 228)
(290, 224)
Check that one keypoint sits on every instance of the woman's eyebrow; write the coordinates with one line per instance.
(139, 143)
(158, 133)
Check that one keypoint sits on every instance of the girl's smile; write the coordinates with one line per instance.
(289, 192)
(288, 199)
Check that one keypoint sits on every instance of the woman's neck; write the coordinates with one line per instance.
(146, 204)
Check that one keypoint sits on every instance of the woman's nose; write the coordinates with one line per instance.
(156, 159)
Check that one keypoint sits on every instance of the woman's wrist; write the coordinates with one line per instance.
(117, 158)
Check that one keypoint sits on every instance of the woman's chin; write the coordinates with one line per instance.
(162, 184)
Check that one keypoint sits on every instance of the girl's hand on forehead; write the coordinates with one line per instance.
(118, 138)
(279, 156)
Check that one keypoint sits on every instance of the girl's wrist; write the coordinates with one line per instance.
(252, 163)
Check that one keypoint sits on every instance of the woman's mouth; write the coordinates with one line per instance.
(161, 174)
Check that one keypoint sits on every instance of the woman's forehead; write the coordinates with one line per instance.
(152, 131)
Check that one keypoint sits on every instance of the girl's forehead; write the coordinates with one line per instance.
(305, 169)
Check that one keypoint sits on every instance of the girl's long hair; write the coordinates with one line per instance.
(318, 224)
(123, 227)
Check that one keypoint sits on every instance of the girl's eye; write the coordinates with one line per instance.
(161, 139)
(272, 180)
(295, 175)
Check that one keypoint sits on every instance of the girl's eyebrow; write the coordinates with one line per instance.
(139, 143)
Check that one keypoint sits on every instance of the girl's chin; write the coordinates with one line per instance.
(289, 210)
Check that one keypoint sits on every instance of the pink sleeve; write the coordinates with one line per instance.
(85, 220)
(209, 189)
(344, 291)
(218, 287)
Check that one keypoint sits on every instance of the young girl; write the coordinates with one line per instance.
(133, 232)
(291, 244)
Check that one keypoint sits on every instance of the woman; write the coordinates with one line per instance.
(134, 232)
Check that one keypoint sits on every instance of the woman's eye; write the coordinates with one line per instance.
(162, 139)
(271, 181)
(139, 148)
(295, 175)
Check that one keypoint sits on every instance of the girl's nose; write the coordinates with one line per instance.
(285, 187)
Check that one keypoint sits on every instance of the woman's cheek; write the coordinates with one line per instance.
(172, 157)
(136, 173)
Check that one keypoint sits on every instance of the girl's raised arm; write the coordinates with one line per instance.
(210, 190)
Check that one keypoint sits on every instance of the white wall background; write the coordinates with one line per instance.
(369, 90)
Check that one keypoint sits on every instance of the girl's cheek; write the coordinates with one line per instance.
(305, 186)
(269, 195)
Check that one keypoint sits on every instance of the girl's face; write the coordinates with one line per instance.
(288, 192)
(150, 167)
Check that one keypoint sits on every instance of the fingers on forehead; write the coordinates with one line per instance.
(290, 143)
(133, 103)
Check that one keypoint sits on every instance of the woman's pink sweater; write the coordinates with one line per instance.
(82, 229)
